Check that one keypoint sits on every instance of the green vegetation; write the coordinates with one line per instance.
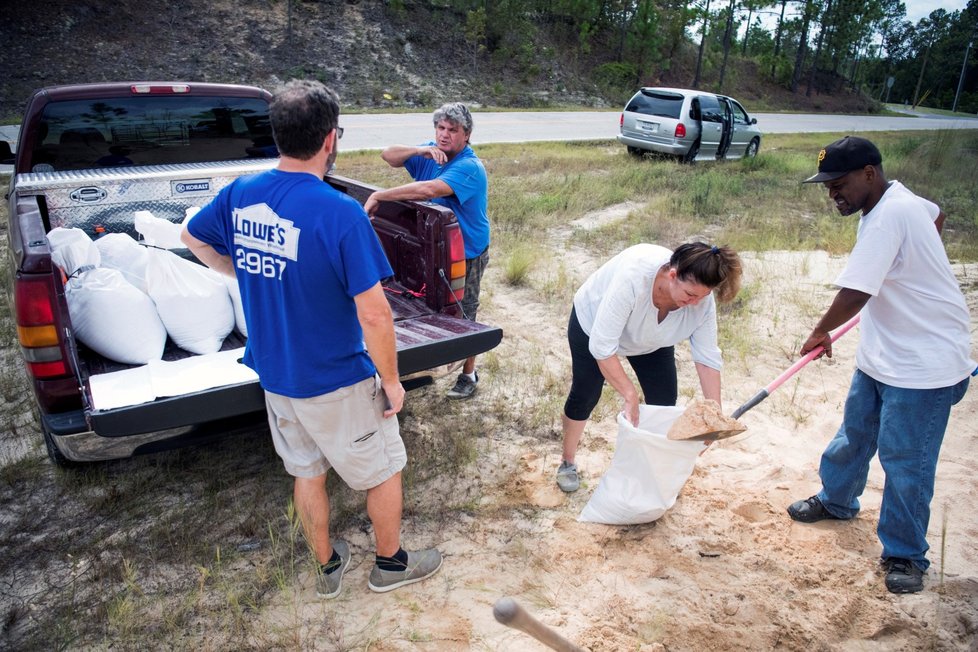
(753, 205)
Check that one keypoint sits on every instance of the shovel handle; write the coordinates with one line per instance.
(811, 355)
(793, 369)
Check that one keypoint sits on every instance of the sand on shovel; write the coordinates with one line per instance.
(703, 420)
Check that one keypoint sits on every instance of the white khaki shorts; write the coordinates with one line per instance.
(344, 430)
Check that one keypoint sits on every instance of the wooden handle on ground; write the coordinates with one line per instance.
(510, 613)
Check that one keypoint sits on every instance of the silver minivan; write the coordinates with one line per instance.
(689, 124)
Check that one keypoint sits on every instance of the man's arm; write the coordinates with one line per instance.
(207, 254)
(397, 155)
(845, 306)
(939, 222)
(377, 322)
(417, 190)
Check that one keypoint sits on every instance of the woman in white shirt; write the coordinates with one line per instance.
(639, 305)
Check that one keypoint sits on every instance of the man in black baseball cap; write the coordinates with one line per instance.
(913, 362)
(844, 156)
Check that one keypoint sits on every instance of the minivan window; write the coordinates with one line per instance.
(710, 109)
(666, 105)
(740, 116)
(151, 130)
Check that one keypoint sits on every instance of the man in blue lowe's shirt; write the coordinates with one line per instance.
(309, 266)
(447, 172)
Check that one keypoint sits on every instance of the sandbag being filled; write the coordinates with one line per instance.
(646, 473)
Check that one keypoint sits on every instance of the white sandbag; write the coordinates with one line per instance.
(192, 301)
(646, 473)
(108, 314)
(120, 251)
(158, 232)
(114, 318)
(72, 249)
(235, 292)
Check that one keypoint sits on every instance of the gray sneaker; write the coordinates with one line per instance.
(567, 478)
(464, 387)
(420, 566)
(329, 585)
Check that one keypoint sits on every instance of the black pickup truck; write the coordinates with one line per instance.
(91, 155)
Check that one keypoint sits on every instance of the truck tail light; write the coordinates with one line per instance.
(621, 121)
(680, 130)
(36, 328)
(456, 264)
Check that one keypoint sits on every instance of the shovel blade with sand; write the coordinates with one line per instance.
(703, 421)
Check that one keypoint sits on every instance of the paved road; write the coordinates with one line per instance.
(374, 131)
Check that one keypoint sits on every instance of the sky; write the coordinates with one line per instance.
(917, 9)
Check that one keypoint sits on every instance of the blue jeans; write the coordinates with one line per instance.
(907, 427)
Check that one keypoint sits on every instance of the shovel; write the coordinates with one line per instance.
(723, 433)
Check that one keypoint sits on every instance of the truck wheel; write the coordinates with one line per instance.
(54, 454)
(637, 152)
(690, 157)
(752, 148)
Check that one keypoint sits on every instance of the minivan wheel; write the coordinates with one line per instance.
(690, 157)
(636, 151)
(752, 148)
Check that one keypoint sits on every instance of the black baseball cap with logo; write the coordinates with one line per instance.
(843, 156)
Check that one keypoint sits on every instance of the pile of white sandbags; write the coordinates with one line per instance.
(109, 314)
(125, 297)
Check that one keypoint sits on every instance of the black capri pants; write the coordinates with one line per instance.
(656, 372)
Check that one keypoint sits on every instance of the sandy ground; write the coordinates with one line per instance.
(725, 568)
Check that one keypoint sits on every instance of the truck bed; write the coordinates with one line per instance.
(184, 390)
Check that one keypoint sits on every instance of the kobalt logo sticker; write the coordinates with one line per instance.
(191, 187)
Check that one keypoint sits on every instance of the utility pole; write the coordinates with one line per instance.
(964, 66)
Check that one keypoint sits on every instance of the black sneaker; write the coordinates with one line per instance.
(902, 576)
(810, 510)
(464, 387)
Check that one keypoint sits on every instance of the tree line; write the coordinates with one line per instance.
(808, 46)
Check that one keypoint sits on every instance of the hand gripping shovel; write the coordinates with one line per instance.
(726, 431)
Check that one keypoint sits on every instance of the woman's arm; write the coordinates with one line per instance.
(613, 371)
(709, 382)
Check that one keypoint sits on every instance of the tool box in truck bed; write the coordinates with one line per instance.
(93, 408)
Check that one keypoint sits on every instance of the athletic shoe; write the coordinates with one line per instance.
(329, 585)
(810, 510)
(420, 566)
(902, 576)
(567, 478)
(464, 387)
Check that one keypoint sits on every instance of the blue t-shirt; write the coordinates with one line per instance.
(466, 176)
(301, 251)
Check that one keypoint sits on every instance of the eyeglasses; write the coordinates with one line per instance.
(339, 132)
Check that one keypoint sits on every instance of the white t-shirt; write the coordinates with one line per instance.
(614, 307)
(915, 326)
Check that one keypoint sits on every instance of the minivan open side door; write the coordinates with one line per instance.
(711, 127)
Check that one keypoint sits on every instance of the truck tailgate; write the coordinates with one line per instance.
(423, 342)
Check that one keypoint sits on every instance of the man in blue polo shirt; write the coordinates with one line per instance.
(320, 332)
(446, 171)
